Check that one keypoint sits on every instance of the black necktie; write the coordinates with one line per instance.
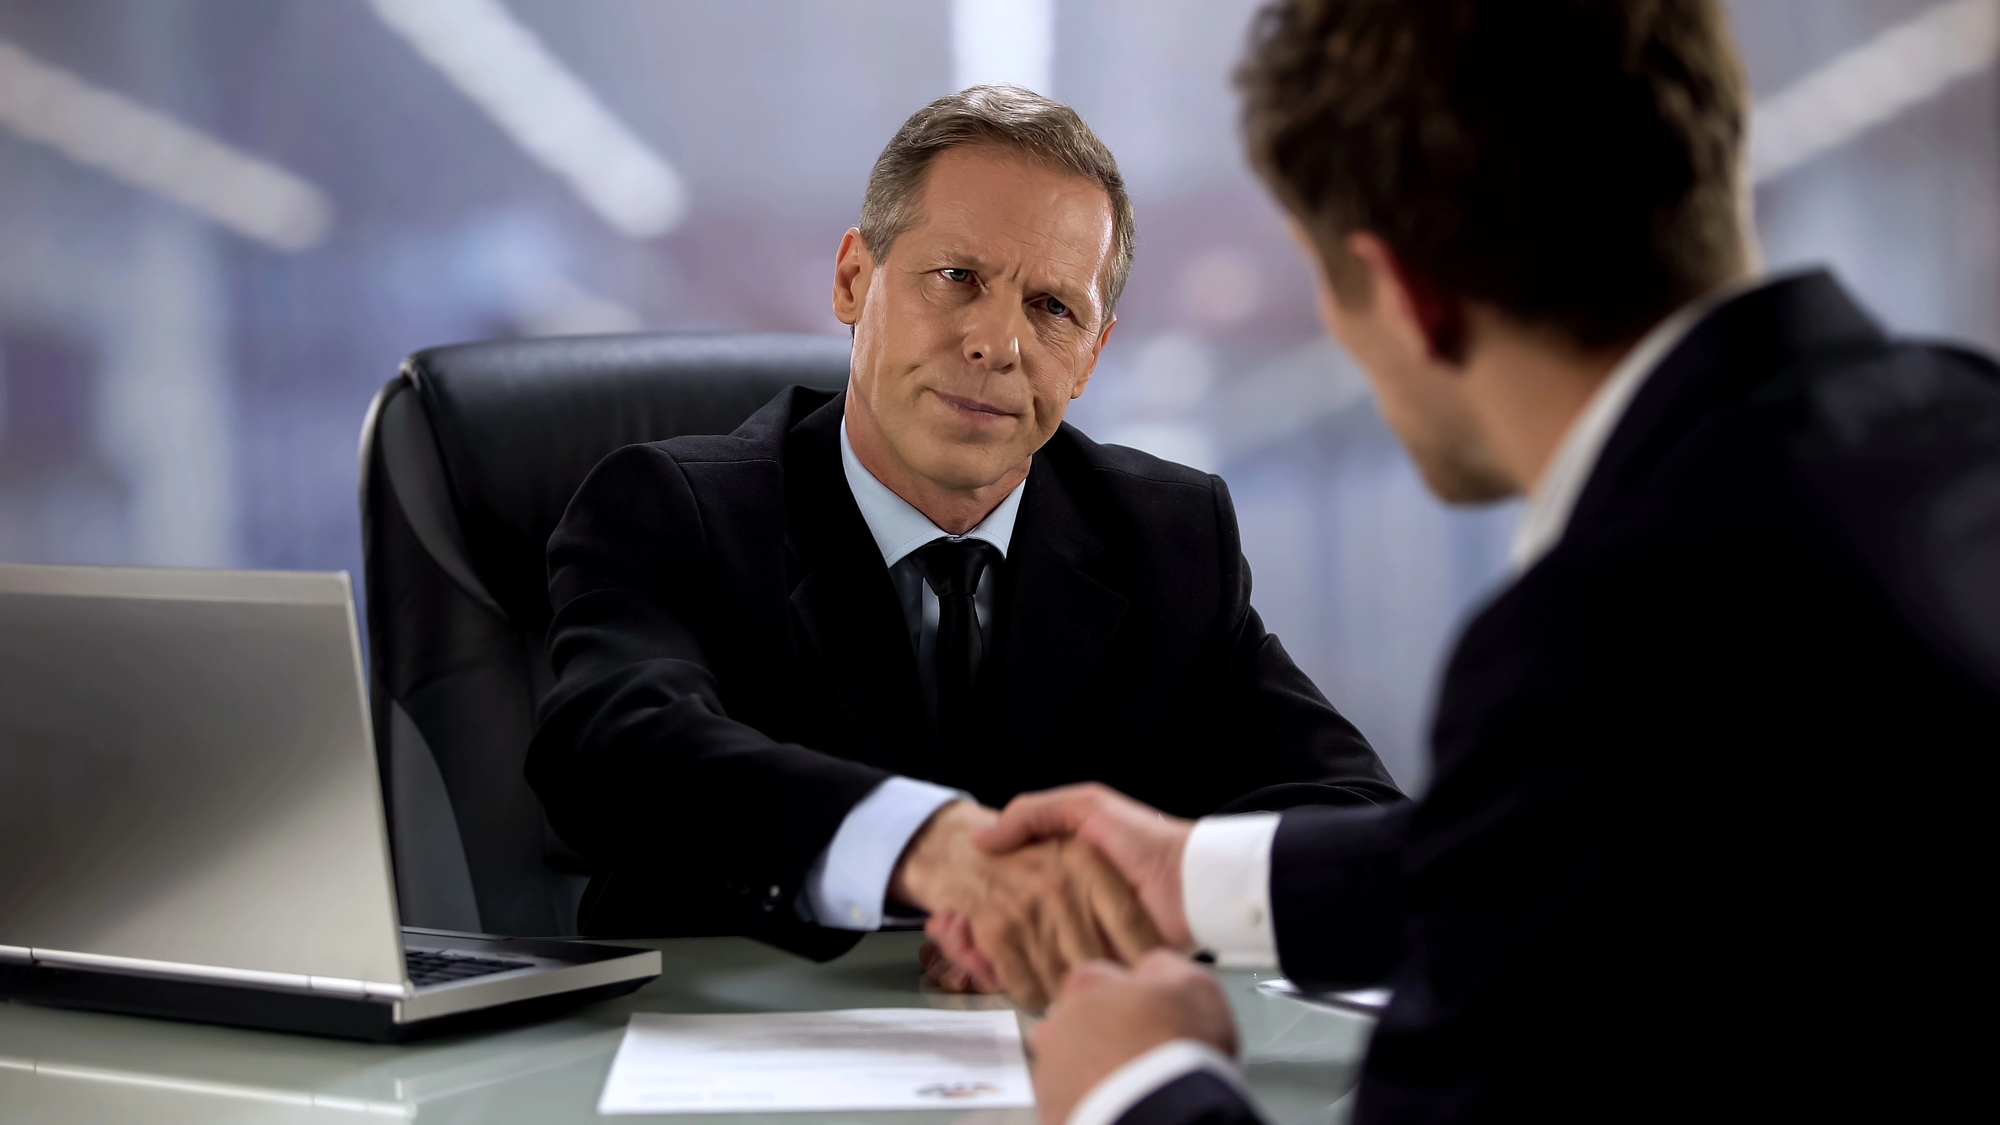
(952, 568)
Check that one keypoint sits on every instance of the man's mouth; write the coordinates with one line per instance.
(973, 406)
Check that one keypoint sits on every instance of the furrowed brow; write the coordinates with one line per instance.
(958, 258)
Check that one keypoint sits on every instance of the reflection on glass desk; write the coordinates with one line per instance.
(61, 1066)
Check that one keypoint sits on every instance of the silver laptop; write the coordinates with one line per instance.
(191, 821)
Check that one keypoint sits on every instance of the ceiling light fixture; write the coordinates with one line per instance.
(495, 60)
(1010, 41)
(1908, 64)
(147, 148)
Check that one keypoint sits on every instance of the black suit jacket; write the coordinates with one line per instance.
(1709, 829)
(734, 672)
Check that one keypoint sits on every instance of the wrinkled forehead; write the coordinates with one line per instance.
(1025, 219)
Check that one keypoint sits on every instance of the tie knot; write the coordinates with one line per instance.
(952, 566)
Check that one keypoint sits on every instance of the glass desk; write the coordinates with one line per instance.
(61, 1066)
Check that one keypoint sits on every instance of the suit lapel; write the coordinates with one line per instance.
(843, 601)
(1058, 621)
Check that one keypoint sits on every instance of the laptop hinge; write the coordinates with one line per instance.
(254, 977)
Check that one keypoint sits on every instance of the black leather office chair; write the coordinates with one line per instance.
(468, 457)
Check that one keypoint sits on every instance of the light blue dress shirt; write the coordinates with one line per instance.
(849, 881)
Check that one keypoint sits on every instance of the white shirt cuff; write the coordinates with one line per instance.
(848, 883)
(1130, 1084)
(1226, 889)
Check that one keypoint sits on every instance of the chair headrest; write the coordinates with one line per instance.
(520, 423)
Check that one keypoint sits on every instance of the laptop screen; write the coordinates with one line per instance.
(187, 774)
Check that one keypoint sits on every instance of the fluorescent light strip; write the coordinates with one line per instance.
(1003, 41)
(1905, 65)
(148, 149)
(503, 67)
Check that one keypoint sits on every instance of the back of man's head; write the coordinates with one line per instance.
(1007, 117)
(1574, 163)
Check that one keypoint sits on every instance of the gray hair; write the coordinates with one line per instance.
(1012, 118)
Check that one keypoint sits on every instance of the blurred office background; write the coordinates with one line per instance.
(223, 222)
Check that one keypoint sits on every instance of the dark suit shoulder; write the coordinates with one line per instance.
(1907, 401)
(1116, 461)
(1154, 508)
(688, 506)
(761, 437)
(1895, 456)
(1847, 461)
(1888, 455)
(713, 449)
(1839, 520)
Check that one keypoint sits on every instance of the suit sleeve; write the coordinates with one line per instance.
(1304, 751)
(692, 822)
(1179, 1081)
(1336, 898)
(1193, 1099)
(1199, 1098)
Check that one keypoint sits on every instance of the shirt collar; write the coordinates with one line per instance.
(1546, 514)
(899, 528)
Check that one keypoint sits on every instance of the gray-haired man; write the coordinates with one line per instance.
(797, 664)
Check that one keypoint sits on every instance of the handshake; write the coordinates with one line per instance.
(1037, 901)
(1061, 878)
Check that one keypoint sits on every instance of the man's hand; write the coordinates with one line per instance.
(1018, 922)
(1144, 844)
(1107, 1016)
(947, 975)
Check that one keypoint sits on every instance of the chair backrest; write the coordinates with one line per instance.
(469, 456)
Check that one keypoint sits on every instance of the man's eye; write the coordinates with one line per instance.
(1055, 307)
(956, 276)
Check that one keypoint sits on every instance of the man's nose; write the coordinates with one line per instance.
(993, 336)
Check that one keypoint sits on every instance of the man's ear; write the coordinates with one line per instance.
(1096, 350)
(1422, 309)
(853, 270)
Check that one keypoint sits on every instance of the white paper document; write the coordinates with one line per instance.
(776, 1062)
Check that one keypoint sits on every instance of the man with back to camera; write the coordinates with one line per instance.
(1704, 827)
(795, 664)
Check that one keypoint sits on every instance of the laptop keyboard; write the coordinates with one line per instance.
(426, 967)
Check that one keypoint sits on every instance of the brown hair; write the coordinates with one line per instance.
(1573, 162)
(1012, 118)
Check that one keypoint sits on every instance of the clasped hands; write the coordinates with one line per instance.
(1014, 912)
(1053, 899)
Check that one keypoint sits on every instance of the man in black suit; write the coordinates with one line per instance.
(796, 664)
(1704, 834)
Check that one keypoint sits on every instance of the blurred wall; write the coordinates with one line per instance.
(174, 392)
